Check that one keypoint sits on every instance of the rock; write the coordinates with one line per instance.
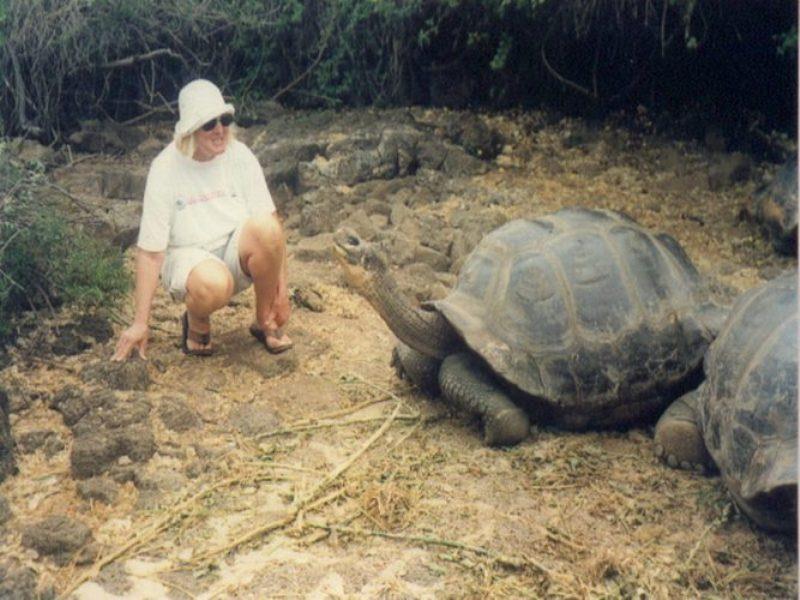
(19, 583)
(472, 134)
(283, 172)
(316, 248)
(31, 151)
(31, 441)
(178, 416)
(122, 184)
(308, 297)
(317, 217)
(127, 375)
(252, 419)
(108, 137)
(429, 256)
(776, 208)
(154, 484)
(160, 480)
(101, 489)
(400, 248)
(5, 511)
(728, 170)
(360, 222)
(74, 338)
(7, 463)
(149, 148)
(106, 426)
(59, 537)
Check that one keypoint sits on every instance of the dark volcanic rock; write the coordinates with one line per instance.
(127, 375)
(7, 464)
(58, 537)
(101, 489)
(107, 426)
(252, 420)
(31, 441)
(178, 416)
(19, 583)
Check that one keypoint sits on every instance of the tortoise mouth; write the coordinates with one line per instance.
(347, 247)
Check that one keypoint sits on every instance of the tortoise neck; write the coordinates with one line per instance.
(426, 331)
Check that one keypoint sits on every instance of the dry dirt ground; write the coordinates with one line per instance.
(320, 474)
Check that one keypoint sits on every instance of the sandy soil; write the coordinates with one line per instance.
(319, 474)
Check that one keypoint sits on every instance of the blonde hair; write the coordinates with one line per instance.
(186, 144)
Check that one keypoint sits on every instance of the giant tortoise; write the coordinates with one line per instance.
(776, 208)
(581, 318)
(743, 417)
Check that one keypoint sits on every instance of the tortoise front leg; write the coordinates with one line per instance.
(419, 369)
(679, 438)
(466, 383)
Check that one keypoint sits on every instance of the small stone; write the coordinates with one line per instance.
(309, 298)
(252, 420)
(127, 375)
(316, 248)
(98, 488)
(178, 416)
(19, 583)
(59, 537)
(30, 441)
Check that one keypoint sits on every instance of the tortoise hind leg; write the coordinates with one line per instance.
(465, 382)
(678, 437)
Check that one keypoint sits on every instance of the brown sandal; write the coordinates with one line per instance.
(261, 336)
(197, 338)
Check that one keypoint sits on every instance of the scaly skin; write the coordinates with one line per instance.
(466, 384)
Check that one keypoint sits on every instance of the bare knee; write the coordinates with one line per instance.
(263, 233)
(209, 287)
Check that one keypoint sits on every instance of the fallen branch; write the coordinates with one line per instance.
(132, 60)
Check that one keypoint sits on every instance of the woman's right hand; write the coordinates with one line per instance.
(134, 336)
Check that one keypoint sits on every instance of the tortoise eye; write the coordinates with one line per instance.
(353, 240)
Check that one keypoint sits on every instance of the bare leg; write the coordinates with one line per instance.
(208, 288)
(262, 254)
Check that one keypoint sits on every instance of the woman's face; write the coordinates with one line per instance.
(212, 142)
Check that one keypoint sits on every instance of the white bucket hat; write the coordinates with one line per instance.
(199, 101)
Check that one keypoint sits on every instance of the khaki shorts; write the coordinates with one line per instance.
(179, 262)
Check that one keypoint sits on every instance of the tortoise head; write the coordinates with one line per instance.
(361, 261)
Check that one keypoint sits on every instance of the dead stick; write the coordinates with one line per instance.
(502, 559)
(303, 428)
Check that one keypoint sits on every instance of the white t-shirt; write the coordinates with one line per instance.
(189, 203)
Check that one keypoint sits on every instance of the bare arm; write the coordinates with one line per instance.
(148, 267)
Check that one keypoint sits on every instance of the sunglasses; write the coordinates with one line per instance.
(224, 120)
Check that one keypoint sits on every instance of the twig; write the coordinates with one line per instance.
(79, 203)
(558, 76)
(501, 559)
(132, 60)
(343, 422)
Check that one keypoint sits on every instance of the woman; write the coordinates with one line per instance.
(209, 229)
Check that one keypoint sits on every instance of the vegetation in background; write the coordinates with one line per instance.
(65, 60)
(45, 262)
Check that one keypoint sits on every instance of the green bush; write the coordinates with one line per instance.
(45, 262)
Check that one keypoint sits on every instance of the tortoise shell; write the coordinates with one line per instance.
(590, 316)
(748, 403)
(776, 208)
